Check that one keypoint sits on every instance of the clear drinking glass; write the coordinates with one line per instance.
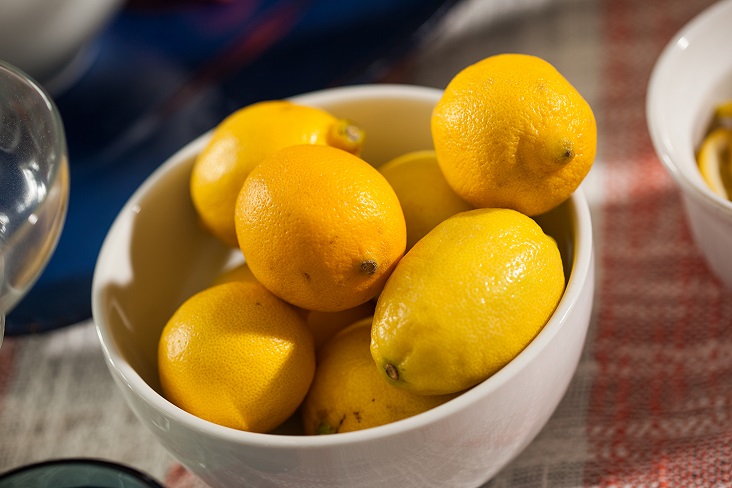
(34, 184)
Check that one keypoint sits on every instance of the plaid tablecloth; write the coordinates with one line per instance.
(651, 402)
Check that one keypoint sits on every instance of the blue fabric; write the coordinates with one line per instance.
(165, 72)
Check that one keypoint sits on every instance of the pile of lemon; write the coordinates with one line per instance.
(371, 295)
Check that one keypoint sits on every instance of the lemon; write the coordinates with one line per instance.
(238, 356)
(319, 227)
(723, 114)
(715, 161)
(243, 139)
(424, 195)
(348, 393)
(510, 131)
(243, 273)
(325, 325)
(237, 273)
(465, 301)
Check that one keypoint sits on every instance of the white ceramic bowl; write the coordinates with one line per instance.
(47, 39)
(693, 75)
(155, 256)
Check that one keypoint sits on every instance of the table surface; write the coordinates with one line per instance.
(651, 401)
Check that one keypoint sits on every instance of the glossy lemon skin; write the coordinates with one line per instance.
(349, 394)
(238, 356)
(245, 138)
(510, 131)
(465, 301)
(423, 192)
(319, 227)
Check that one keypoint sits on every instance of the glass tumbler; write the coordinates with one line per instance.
(34, 184)
(76, 473)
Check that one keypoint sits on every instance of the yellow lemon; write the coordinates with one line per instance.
(238, 356)
(425, 196)
(243, 140)
(723, 114)
(320, 227)
(510, 131)
(237, 273)
(325, 325)
(715, 161)
(243, 273)
(465, 300)
(348, 393)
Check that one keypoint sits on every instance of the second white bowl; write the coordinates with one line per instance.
(692, 76)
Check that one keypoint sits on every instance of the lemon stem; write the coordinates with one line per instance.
(353, 133)
(369, 267)
(392, 372)
(567, 151)
(325, 429)
(346, 135)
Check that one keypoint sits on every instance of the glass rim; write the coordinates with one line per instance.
(82, 461)
(51, 106)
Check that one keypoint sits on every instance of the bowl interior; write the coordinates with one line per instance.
(156, 254)
(691, 77)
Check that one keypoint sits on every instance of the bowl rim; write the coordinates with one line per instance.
(581, 272)
(657, 125)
